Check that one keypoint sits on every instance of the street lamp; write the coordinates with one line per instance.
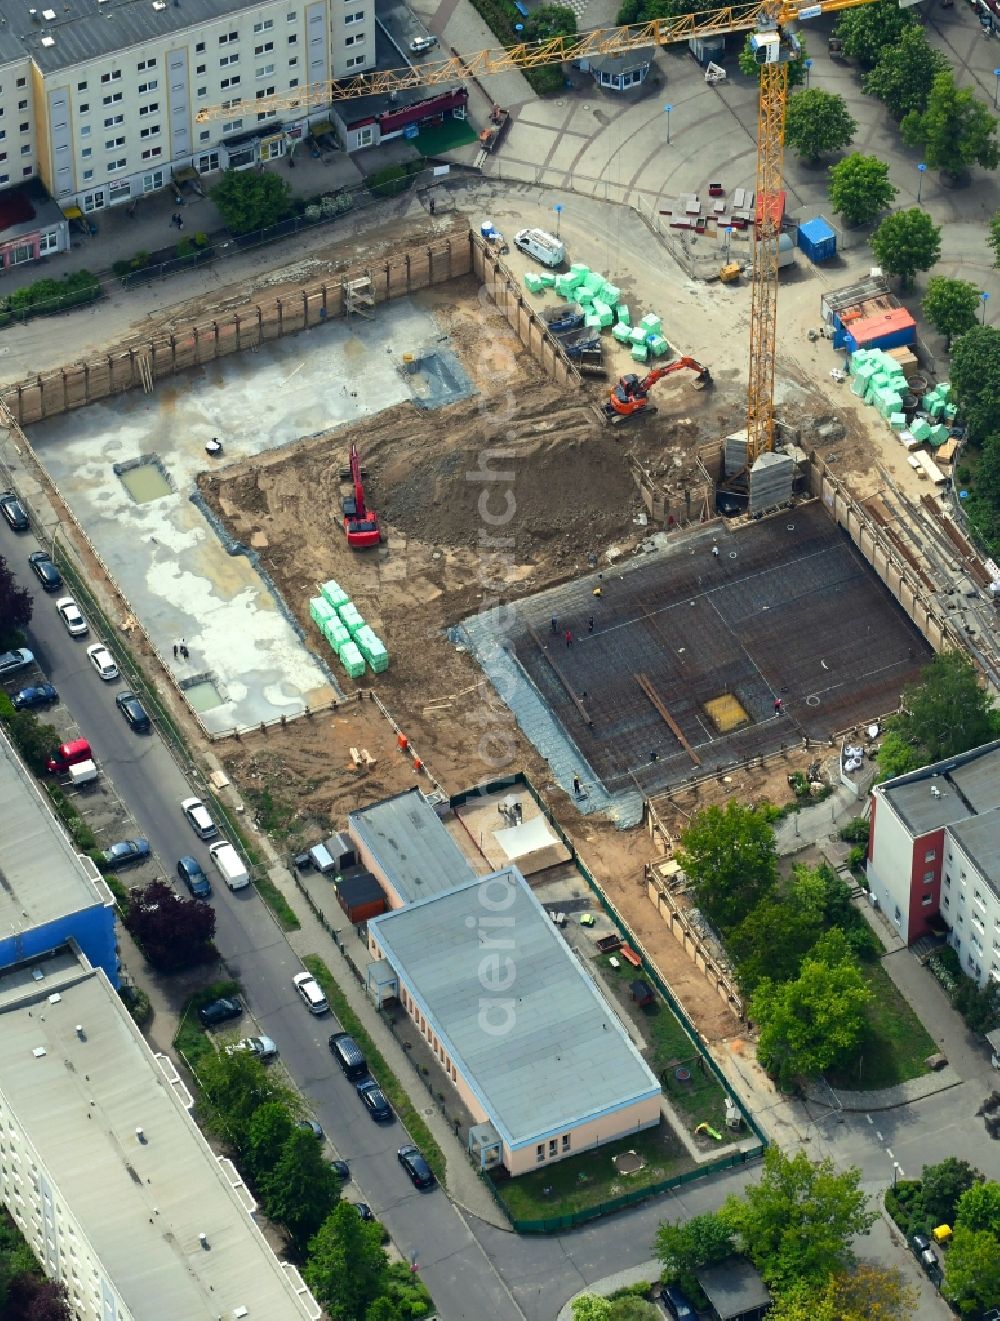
(996, 90)
(920, 186)
(808, 64)
(558, 211)
(984, 296)
(668, 109)
(896, 1171)
(729, 235)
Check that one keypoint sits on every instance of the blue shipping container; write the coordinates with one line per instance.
(817, 240)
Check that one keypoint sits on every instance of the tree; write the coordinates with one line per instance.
(347, 1267)
(942, 1187)
(867, 32)
(946, 713)
(979, 1208)
(816, 1021)
(905, 73)
(15, 608)
(34, 739)
(860, 188)
(867, 1293)
(233, 1088)
(817, 123)
(729, 857)
(302, 1189)
(173, 932)
(406, 1291)
(975, 375)
(907, 242)
(955, 132)
(774, 938)
(951, 306)
(271, 1125)
(32, 1298)
(386, 1309)
(591, 1307)
(972, 1271)
(686, 1247)
(549, 21)
(993, 238)
(751, 69)
(798, 1222)
(251, 199)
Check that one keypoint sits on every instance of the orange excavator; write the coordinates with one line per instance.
(361, 525)
(630, 397)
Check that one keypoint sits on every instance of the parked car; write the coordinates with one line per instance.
(365, 1211)
(198, 818)
(133, 711)
(126, 853)
(103, 661)
(420, 1173)
(73, 753)
(341, 1169)
(420, 45)
(190, 872)
(219, 1011)
(72, 617)
(39, 694)
(14, 512)
(374, 1100)
(310, 992)
(919, 1243)
(45, 571)
(261, 1047)
(675, 1304)
(314, 1127)
(18, 659)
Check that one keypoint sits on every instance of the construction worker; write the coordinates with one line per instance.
(715, 552)
(555, 624)
(777, 706)
(569, 637)
(590, 624)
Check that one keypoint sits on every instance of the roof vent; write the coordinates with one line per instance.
(80, 1032)
(55, 998)
(39, 1052)
(33, 15)
(49, 15)
(159, 4)
(203, 1240)
(48, 41)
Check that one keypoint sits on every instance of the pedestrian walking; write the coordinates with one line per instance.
(715, 552)
(430, 205)
(555, 624)
(777, 706)
(185, 654)
(569, 637)
(176, 650)
(180, 222)
(590, 624)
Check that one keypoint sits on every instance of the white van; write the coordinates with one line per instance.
(229, 865)
(543, 247)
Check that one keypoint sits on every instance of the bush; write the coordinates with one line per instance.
(46, 296)
(857, 831)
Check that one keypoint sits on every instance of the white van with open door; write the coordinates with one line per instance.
(542, 246)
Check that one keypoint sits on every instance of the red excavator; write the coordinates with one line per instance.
(631, 395)
(361, 525)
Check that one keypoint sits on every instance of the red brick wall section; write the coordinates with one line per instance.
(919, 924)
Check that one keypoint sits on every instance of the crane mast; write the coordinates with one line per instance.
(766, 235)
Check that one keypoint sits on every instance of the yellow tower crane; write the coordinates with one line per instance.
(772, 24)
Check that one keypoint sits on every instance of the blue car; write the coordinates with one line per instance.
(39, 694)
(190, 872)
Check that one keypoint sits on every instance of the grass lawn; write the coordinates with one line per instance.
(444, 137)
(699, 1098)
(191, 1041)
(587, 1180)
(896, 1044)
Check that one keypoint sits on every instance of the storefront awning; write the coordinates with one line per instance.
(321, 126)
(186, 174)
(72, 213)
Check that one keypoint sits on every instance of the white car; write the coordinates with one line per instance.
(198, 818)
(71, 616)
(419, 45)
(263, 1047)
(103, 661)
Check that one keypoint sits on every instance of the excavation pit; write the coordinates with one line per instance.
(437, 379)
(144, 480)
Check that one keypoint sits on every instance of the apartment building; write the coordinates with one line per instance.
(108, 1177)
(100, 99)
(934, 856)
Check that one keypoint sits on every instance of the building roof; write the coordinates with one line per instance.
(44, 878)
(733, 1287)
(978, 780)
(927, 804)
(414, 850)
(26, 209)
(966, 785)
(979, 839)
(625, 62)
(543, 1052)
(80, 1093)
(359, 888)
(838, 300)
(867, 328)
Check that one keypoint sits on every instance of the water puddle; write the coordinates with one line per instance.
(144, 480)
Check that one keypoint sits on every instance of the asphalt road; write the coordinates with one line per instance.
(426, 1227)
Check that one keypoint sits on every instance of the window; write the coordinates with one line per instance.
(227, 37)
(204, 135)
(264, 70)
(928, 877)
(200, 69)
(291, 16)
(231, 104)
(150, 131)
(293, 40)
(199, 48)
(88, 174)
(201, 91)
(150, 109)
(114, 99)
(25, 126)
(113, 166)
(151, 153)
(356, 40)
(553, 1146)
(540, 1153)
(114, 142)
(354, 18)
(150, 86)
(81, 87)
(264, 48)
(366, 136)
(28, 169)
(113, 120)
(226, 60)
(264, 26)
(143, 65)
(22, 105)
(266, 114)
(230, 82)
(354, 60)
(293, 82)
(947, 902)
(26, 149)
(85, 108)
(85, 131)
(22, 82)
(265, 91)
(232, 126)
(87, 153)
(293, 63)
(927, 900)
(114, 76)
(565, 1141)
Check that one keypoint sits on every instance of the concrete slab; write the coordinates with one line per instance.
(182, 581)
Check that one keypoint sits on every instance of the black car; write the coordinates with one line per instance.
(374, 1098)
(675, 1304)
(919, 1243)
(126, 853)
(341, 1169)
(44, 570)
(13, 511)
(190, 872)
(219, 1011)
(365, 1211)
(421, 1174)
(39, 694)
(314, 1127)
(133, 711)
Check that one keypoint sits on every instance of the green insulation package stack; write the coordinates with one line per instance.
(352, 660)
(320, 610)
(335, 594)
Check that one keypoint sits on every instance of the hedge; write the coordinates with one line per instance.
(47, 296)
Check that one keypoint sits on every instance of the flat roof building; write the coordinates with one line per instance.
(107, 1175)
(403, 843)
(536, 1053)
(51, 893)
